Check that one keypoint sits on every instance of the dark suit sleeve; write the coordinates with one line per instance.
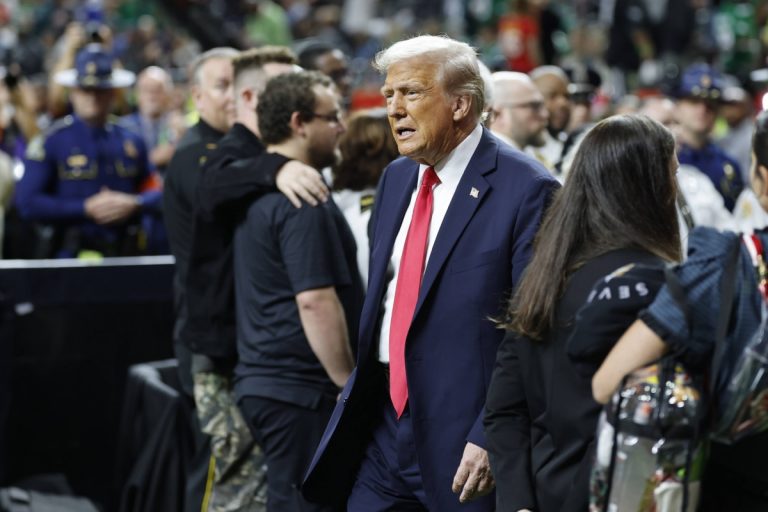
(508, 431)
(529, 215)
(532, 208)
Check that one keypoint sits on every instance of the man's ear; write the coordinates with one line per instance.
(298, 125)
(195, 91)
(461, 107)
(762, 172)
(249, 98)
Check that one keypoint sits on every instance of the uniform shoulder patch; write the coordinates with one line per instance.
(366, 202)
(130, 149)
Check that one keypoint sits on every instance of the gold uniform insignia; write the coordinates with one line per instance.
(130, 149)
(366, 202)
(77, 161)
(36, 149)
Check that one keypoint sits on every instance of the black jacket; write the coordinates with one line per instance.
(540, 415)
(236, 173)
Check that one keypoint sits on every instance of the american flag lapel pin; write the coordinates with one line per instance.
(474, 193)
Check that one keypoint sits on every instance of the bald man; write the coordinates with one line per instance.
(518, 114)
(151, 120)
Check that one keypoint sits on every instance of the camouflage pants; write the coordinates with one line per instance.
(239, 473)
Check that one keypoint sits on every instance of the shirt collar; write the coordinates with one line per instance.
(96, 130)
(451, 168)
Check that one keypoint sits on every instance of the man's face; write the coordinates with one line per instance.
(92, 105)
(695, 116)
(324, 129)
(214, 95)
(734, 112)
(420, 110)
(334, 64)
(661, 110)
(519, 113)
(152, 96)
(556, 98)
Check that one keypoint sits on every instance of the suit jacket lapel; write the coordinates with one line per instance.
(469, 195)
(403, 185)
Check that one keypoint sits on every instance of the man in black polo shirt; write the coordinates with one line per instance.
(204, 332)
(298, 293)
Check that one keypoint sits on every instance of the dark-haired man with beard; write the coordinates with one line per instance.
(298, 293)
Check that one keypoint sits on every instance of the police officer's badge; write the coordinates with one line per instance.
(77, 161)
(36, 149)
(130, 149)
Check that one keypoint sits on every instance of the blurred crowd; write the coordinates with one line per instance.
(144, 127)
(609, 56)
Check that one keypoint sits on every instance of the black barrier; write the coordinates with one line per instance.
(69, 330)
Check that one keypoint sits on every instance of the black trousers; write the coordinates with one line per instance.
(288, 434)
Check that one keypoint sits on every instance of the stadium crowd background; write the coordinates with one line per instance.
(616, 52)
(632, 45)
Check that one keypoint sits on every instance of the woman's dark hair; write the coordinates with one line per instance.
(620, 193)
(366, 148)
(760, 140)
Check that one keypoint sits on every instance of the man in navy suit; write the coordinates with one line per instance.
(452, 233)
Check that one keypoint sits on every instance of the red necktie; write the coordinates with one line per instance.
(407, 291)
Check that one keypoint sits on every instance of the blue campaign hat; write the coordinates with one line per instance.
(94, 69)
(701, 81)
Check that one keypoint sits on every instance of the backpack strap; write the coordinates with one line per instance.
(727, 286)
(727, 283)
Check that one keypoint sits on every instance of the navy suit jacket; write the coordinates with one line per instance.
(480, 251)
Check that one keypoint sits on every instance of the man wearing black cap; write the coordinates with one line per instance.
(699, 95)
(85, 174)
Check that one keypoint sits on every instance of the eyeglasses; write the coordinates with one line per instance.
(536, 106)
(333, 117)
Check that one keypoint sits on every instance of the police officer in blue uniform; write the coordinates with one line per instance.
(699, 95)
(85, 174)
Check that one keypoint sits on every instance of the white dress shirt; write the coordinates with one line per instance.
(450, 171)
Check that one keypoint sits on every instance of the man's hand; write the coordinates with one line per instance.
(109, 206)
(473, 478)
(298, 181)
(162, 154)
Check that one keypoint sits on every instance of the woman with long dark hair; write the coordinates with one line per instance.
(736, 477)
(617, 208)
